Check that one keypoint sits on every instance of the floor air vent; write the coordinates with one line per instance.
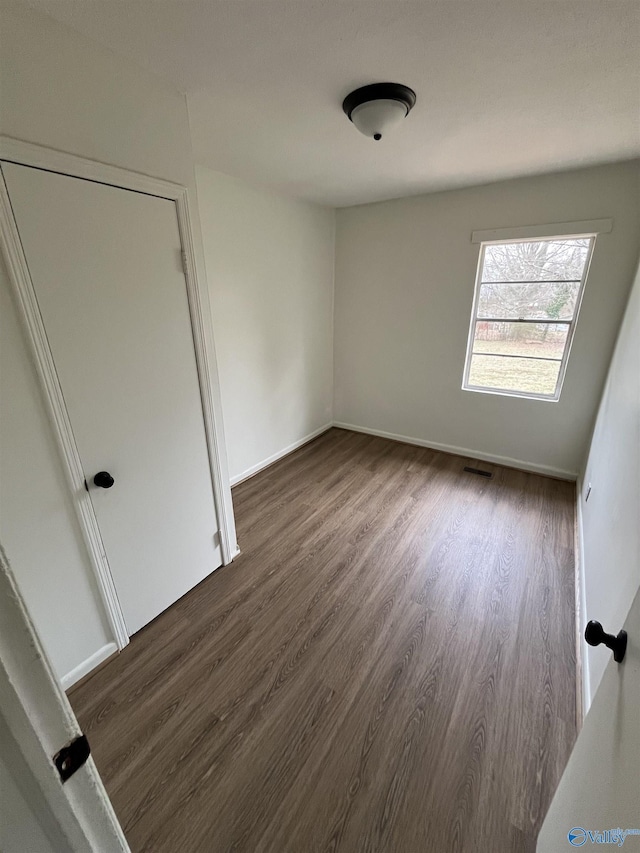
(479, 472)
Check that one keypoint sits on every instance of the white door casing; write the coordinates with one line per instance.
(107, 271)
(36, 717)
(18, 151)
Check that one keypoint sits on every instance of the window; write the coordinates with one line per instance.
(525, 308)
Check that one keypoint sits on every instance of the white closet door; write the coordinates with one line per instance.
(106, 267)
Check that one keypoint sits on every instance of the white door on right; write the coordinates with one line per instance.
(597, 804)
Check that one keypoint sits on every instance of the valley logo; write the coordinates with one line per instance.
(578, 836)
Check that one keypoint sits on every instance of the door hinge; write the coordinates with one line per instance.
(72, 757)
(185, 268)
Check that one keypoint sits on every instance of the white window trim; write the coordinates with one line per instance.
(527, 395)
(557, 230)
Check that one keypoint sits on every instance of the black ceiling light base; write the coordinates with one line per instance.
(376, 108)
(378, 92)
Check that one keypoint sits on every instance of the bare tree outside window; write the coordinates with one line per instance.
(527, 297)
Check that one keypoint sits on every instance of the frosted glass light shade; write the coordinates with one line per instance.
(375, 118)
(376, 108)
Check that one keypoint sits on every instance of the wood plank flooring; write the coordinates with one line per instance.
(389, 666)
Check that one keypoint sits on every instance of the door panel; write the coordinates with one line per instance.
(106, 268)
(600, 788)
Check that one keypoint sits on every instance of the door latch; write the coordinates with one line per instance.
(72, 757)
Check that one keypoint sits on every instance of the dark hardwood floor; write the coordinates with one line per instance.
(388, 666)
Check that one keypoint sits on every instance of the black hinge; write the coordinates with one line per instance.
(71, 757)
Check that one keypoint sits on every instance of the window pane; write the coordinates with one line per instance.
(539, 300)
(514, 374)
(544, 260)
(527, 301)
(537, 340)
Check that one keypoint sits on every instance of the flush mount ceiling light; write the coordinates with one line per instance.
(376, 108)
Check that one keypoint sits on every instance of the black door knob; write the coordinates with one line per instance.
(103, 479)
(595, 634)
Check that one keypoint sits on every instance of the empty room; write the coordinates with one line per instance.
(319, 426)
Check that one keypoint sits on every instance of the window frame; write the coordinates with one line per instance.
(529, 395)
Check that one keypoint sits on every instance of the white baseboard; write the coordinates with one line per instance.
(582, 652)
(507, 461)
(87, 665)
(275, 456)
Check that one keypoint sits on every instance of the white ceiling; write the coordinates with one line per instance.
(505, 87)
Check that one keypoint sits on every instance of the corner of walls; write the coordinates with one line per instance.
(100, 656)
(333, 319)
(280, 454)
(405, 273)
(270, 263)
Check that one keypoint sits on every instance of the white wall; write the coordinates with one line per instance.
(611, 516)
(26, 822)
(405, 274)
(20, 829)
(270, 264)
(37, 521)
(61, 90)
